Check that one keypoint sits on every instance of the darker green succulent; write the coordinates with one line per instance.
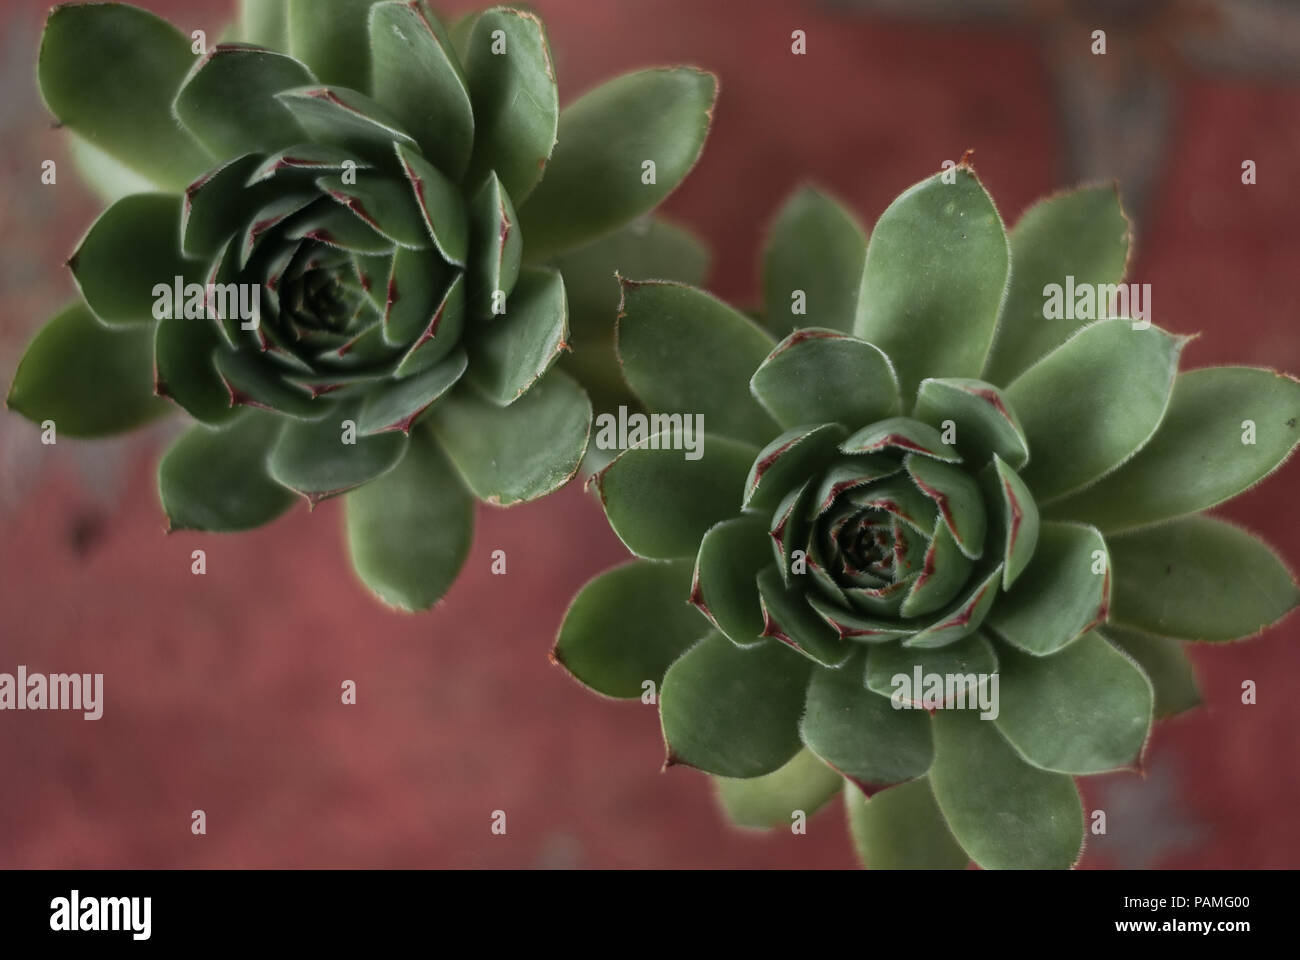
(343, 245)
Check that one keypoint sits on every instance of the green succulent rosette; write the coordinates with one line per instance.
(908, 472)
(355, 247)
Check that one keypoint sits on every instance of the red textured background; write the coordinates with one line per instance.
(222, 691)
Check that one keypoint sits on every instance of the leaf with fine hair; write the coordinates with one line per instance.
(1198, 578)
(804, 785)
(89, 379)
(333, 46)
(596, 180)
(512, 454)
(799, 381)
(937, 265)
(627, 625)
(410, 530)
(1004, 813)
(1084, 233)
(216, 479)
(1092, 403)
(683, 351)
(815, 247)
(1200, 455)
(902, 828)
(733, 712)
(660, 503)
(516, 103)
(1085, 709)
(127, 114)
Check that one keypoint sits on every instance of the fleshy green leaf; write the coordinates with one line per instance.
(901, 497)
(1093, 403)
(416, 76)
(344, 118)
(507, 455)
(627, 625)
(228, 100)
(1062, 594)
(109, 72)
(417, 286)
(660, 503)
(684, 351)
(516, 104)
(943, 571)
(788, 617)
(441, 206)
(804, 785)
(335, 45)
(128, 252)
(647, 247)
(1005, 813)
(386, 205)
(89, 379)
(1015, 520)
(936, 267)
(216, 479)
(970, 659)
(265, 23)
(398, 404)
(110, 179)
(723, 586)
(509, 353)
(787, 461)
(313, 459)
(802, 381)
(254, 382)
(1165, 662)
(1200, 455)
(1083, 233)
(790, 530)
(329, 223)
(495, 246)
(902, 829)
(816, 247)
(957, 496)
(854, 627)
(984, 423)
(900, 434)
(301, 163)
(410, 530)
(596, 180)
(963, 617)
(861, 734)
(849, 473)
(1086, 709)
(1198, 579)
(733, 712)
(183, 369)
(217, 205)
(442, 330)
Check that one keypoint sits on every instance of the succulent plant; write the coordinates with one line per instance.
(342, 244)
(926, 478)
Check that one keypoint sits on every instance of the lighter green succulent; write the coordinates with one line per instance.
(344, 245)
(925, 475)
